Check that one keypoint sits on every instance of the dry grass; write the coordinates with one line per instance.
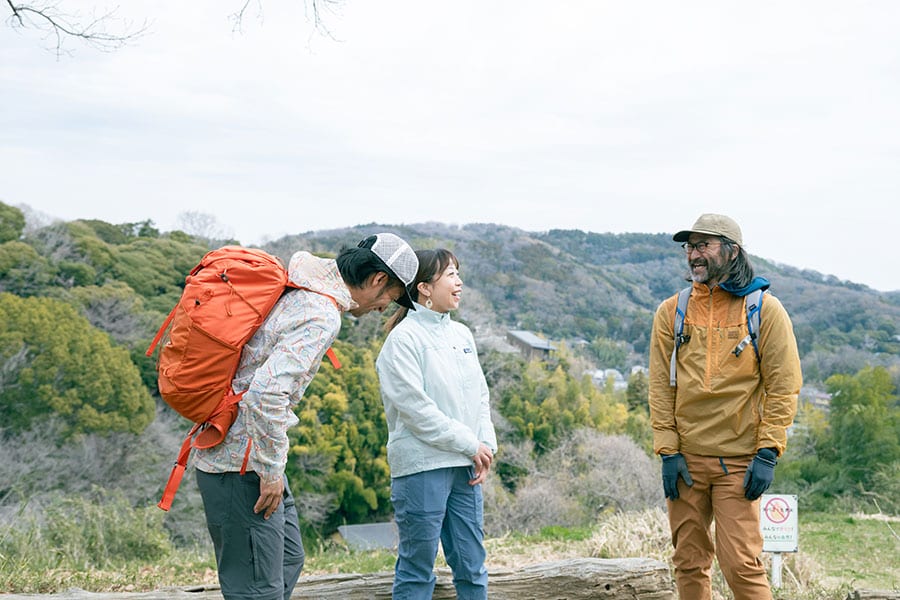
(838, 553)
(637, 534)
(512, 551)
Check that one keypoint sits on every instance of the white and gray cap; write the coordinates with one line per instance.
(398, 257)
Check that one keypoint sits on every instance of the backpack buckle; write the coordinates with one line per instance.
(744, 342)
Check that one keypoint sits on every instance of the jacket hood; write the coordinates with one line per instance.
(758, 283)
(320, 275)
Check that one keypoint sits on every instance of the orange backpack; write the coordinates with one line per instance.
(226, 298)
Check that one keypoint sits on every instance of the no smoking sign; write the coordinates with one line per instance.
(778, 522)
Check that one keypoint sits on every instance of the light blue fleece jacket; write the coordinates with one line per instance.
(435, 396)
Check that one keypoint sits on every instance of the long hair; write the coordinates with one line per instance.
(741, 271)
(432, 264)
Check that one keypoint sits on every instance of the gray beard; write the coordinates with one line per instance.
(714, 273)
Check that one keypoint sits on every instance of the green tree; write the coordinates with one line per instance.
(12, 222)
(155, 268)
(609, 353)
(865, 422)
(638, 392)
(52, 361)
(338, 449)
(116, 309)
(546, 403)
(23, 271)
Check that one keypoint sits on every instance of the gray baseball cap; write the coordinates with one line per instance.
(399, 259)
(712, 224)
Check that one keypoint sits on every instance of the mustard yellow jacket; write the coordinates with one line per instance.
(723, 405)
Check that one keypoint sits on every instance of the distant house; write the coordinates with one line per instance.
(601, 376)
(530, 345)
(816, 397)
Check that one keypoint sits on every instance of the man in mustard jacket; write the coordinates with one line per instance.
(720, 414)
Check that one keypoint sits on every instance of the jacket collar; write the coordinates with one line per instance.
(320, 275)
(426, 315)
(758, 283)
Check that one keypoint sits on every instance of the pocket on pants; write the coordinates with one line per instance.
(264, 558)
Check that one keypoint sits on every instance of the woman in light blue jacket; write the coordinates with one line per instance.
(441, 440)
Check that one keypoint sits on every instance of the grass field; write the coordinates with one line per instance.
(838, 553)
(858, 550)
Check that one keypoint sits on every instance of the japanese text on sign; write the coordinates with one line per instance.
(778, 522)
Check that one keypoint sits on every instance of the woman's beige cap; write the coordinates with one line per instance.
(711, 224)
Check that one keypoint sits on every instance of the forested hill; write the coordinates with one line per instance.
(597, 291)
(571, 284)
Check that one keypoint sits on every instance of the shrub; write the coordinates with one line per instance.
(82, 533)
(587, 475)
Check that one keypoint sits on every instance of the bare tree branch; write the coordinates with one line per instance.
(317, 7)
(237, 18)
(314, 9)
(104, 31)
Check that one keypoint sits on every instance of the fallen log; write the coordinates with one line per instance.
(874, 595)
(572, 579)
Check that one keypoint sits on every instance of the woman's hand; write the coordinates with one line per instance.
(482, 459)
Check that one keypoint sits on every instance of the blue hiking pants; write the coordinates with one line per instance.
(435, 507)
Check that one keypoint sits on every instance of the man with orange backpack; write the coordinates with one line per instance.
(250, 512)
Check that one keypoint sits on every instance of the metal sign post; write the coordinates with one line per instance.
(780, 529)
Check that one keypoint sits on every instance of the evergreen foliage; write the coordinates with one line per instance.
(54, 362)
(338, 457)
(23, 271)
(852, 452)
(12, 223)
(865, 423)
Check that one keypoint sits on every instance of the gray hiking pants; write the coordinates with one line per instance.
(257, 559)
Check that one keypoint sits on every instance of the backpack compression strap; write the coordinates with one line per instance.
(177, 471)
(753, 304)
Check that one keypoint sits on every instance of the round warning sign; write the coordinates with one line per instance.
(777, 510)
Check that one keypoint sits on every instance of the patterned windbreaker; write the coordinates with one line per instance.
(724, 405)
(277, 365)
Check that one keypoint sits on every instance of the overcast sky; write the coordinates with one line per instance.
(595, 115)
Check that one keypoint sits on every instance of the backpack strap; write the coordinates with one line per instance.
(753, 302)
(162, 330)
(678, 330)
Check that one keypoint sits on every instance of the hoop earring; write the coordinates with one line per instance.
(428, 303)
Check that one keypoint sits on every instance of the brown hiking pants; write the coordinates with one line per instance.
(717, 494)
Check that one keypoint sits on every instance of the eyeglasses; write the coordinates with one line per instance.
(699, 246)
